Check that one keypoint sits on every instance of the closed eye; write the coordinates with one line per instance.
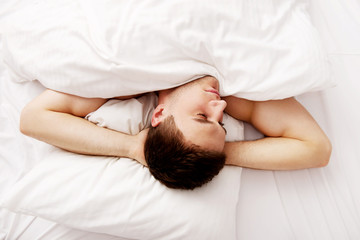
(202, 115)
(203, 119)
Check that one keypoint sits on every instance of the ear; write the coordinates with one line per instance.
(158, 115)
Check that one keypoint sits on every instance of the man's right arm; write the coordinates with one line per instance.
(293, 139)
(58, 119)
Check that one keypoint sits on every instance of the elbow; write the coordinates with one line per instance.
(323, 152)
(27, 118)
(327, 153)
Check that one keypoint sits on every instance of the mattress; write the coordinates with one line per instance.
(321, 203)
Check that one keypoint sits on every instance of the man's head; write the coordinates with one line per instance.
(197, 110)
(177, 163)
(184, 147)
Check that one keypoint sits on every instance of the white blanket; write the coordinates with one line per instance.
(257, 50)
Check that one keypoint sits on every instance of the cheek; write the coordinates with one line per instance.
(219, 138)
(216, 142)
(222, 142)
(219, 146)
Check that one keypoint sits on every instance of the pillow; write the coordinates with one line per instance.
(130, 116)
(120, 197)
(259, 51)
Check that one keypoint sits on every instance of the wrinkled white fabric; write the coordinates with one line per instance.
(257, 50)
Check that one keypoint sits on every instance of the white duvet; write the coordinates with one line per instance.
(257, 50)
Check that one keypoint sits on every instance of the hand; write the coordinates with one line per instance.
(137, 152)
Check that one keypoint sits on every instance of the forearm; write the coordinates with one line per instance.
(75, 134)
(277, 153)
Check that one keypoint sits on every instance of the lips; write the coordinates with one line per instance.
(214, 91)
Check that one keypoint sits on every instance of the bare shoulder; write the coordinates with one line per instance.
(250, 111)
(239, 108)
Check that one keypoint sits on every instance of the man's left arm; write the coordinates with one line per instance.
(293, 139)
(58, 119)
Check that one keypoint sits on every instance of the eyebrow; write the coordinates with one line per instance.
(205, 121)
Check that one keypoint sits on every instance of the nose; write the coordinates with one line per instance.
(217, 108)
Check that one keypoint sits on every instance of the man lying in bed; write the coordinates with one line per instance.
(185, 147)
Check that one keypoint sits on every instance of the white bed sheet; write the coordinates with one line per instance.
(308, 204)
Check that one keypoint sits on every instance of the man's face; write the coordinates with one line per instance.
(198, 112)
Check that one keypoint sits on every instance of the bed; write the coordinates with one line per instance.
(47, 193)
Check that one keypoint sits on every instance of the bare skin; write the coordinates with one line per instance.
(58, 119)
(293, 138)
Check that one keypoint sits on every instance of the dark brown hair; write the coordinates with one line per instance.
(177, 163)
